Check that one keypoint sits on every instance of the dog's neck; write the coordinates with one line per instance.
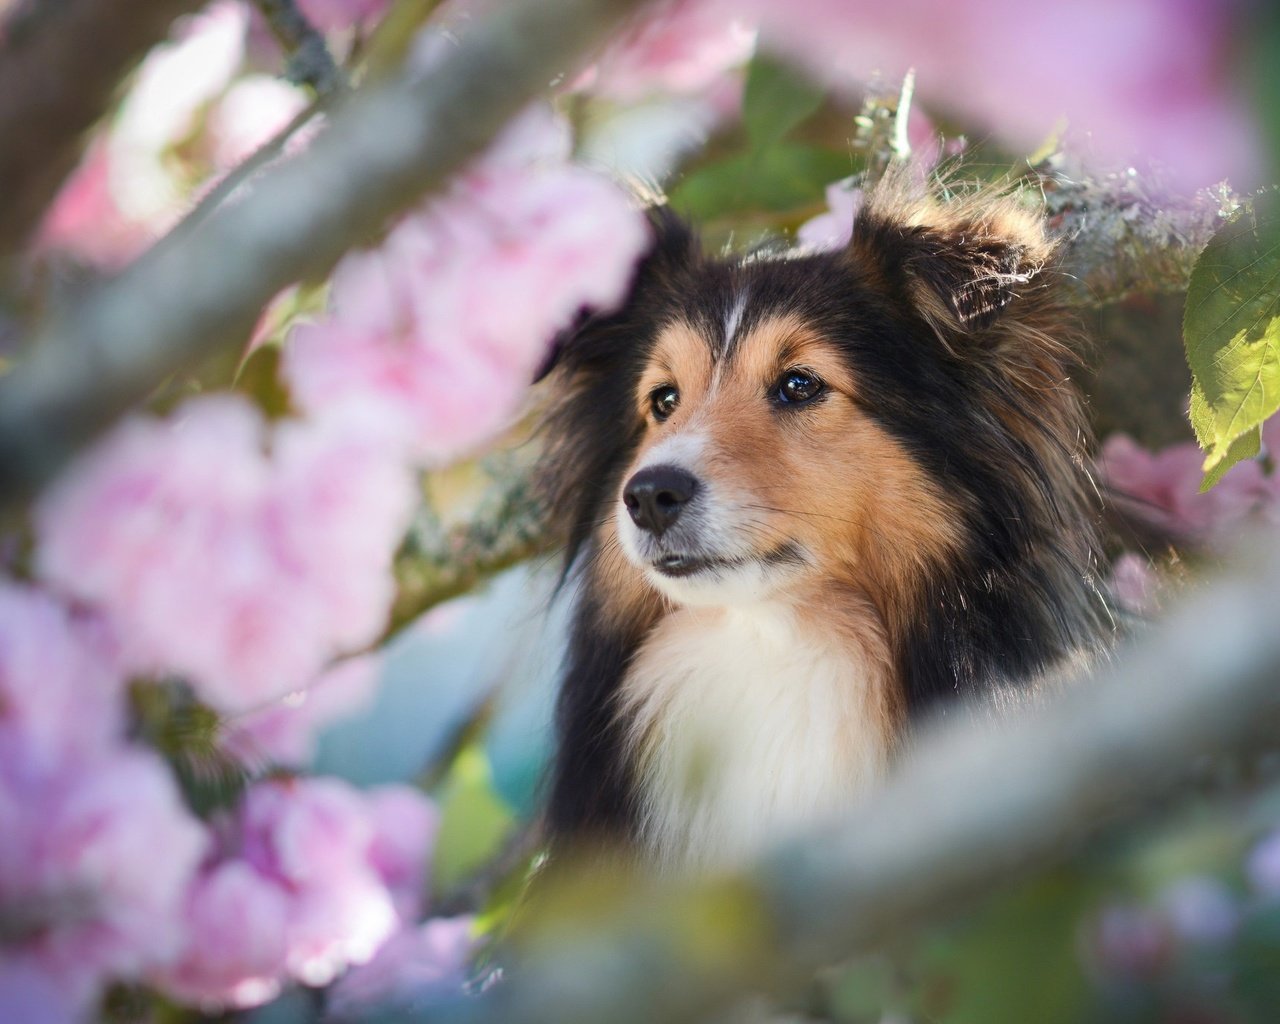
(749, 723)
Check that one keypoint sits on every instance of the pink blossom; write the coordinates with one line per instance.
(1144, 80)
(1163, 488)
(284, 732)
(248, 115)
(330, 15)
(61, 690)
(293, 893)
(405, 825)
(93, 867)
(442, 327)
(1134, 584)
(173, 87)
(415, 963)
(242, 569)
(85, 220)
(679, 46)
(234, 953)
(832, 229)
(314, 838)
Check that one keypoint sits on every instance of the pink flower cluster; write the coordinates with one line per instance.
(1144, 80)
(1148, 80)
(679, 46)
(239, 568)
(310, 877)
(1163, 489)
(97, 848)
(441, 328)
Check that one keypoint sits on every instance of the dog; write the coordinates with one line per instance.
(810, 499)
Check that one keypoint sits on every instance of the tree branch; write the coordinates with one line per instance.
(1124, 237)
(383, 149)
(60, 64)
(309, 61)
(971, 809)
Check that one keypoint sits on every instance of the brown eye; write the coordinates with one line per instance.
(796, 387)
(663, 401)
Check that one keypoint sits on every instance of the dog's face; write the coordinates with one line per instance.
(759, 467)
(741, 429)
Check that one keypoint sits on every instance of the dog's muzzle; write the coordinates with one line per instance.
(657, 495)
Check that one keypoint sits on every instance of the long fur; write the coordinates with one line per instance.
(943, 318)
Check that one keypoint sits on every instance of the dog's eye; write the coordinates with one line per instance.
(796, 386)
(663, 401)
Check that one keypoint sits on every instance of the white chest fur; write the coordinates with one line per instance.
(749, 724)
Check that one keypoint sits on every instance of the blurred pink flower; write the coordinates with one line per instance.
(1144, 80)
(1163, 488)
(284, 732)
(86, 222)
(247, 115)
(416, 963)
(405, 823)
(678, 46)
(329, 15)
(61, 688)
(95, 859)
(442, 327)
(293, 894)
(833, 229)
(234, 952)
(1135, 584)
(240, 569)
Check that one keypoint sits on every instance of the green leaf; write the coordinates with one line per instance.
(474, 820)
(779, 179)
(1231, 329)
(777, 99)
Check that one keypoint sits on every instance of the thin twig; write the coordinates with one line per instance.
(309, 61)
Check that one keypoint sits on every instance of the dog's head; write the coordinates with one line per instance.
(744, 427)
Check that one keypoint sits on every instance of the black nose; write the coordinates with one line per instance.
(656, 496)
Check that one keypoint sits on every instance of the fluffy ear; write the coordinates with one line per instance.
(961, 264)
(673, 249)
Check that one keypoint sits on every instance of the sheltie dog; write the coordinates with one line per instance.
(809, 499)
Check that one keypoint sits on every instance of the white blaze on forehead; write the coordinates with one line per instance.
(733, 319)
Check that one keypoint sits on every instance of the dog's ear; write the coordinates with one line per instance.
(673, 249)
(962, 265)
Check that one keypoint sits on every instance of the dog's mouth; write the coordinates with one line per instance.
(680, 565)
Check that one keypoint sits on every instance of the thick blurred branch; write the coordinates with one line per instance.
(383, 149)
(60, 64)
(973, 808)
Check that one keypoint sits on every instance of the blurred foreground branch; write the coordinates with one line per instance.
(973, 808)
(60, 64)
(383, 149)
